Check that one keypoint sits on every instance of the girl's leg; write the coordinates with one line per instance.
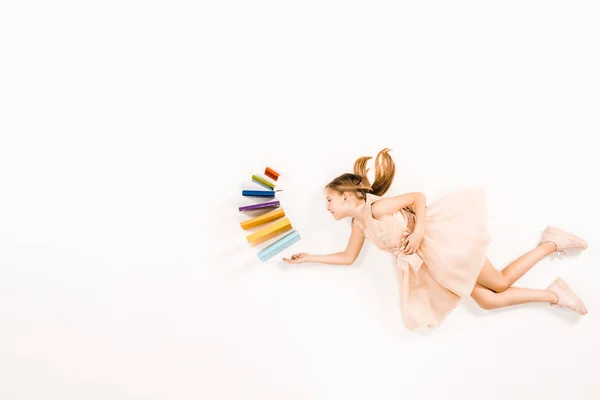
(499, 281)
(488, 299)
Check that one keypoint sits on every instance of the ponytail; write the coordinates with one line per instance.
(385, 170)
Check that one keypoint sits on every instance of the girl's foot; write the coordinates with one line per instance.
(566, 297)
(563, 240)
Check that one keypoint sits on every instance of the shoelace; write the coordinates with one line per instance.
(559, 250)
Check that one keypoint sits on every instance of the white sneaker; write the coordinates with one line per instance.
(563, 240)
(566, 297)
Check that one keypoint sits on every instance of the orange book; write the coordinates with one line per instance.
(263, 219)
(271, 173)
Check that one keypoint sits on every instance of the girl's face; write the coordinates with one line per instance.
(337, 204)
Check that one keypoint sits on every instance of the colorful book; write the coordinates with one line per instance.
(279, 246)
(263, 219)
(271, 173)
(270, 231)
(258, 193)
(262, 181)
(252, 207)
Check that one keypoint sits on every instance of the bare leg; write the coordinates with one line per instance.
(499, 281)
(489, 300)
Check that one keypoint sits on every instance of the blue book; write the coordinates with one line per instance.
(258, 193)
(279, 245)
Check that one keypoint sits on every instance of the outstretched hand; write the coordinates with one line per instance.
(411, 242)
(297, 258)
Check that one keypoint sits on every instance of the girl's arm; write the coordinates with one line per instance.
(390, 205)
(346, 257)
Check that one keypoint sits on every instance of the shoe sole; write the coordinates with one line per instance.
(563, 285)
(559, 232)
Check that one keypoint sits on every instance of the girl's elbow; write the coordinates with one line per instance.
(420, 196)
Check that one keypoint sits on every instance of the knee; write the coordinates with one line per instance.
(500, 285)
(486, 305)
(487, 302)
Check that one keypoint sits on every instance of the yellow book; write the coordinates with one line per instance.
(263, 219)
(270, 231)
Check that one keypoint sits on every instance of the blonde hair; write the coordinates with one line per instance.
(385, 170)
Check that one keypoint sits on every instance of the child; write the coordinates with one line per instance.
(440, 249)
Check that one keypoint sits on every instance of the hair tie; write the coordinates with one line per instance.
(362, 187)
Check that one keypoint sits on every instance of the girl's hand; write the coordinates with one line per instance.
(411, 243)
(297, 258)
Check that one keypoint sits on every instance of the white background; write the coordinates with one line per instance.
(128, 129)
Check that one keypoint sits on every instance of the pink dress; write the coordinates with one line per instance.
(446, 265)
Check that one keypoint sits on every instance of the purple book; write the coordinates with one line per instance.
(252, 207)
